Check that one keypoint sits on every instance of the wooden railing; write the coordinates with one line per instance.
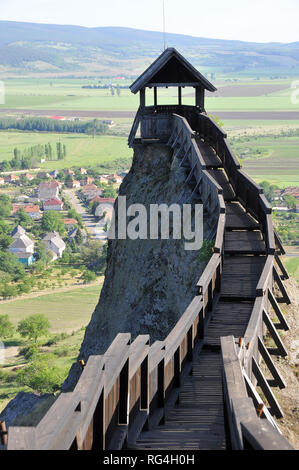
(126, 389)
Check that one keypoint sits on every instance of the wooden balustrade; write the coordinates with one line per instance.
(126, 389)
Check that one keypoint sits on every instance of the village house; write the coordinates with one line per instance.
(83, 171)
(76, 184)
(70, 223)
(87, 180)
(54, 173)
(69, 172)
(43, 175)
(18, 231)
(103, 180)
(48, 190)
(115, 178)
(12, 179)
(53, 204)
(90, 191)
(54, 244)
(2, 181)
(23, 248)
(28, 176)
(30, 209)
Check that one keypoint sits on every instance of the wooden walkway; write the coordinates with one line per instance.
(196, 421)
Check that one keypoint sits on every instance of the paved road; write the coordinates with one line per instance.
(95, 230)
(106, 114)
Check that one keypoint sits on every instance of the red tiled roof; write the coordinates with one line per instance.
(53, 202)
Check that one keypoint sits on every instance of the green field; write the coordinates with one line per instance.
(81, 149)
(281, 167)
(292, 265)
(66, 311)
(69, 95)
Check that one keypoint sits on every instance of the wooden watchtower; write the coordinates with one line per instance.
(170, 69)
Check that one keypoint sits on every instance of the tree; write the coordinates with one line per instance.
(10, 264)
(68, 181)
(5, 205)
(94, 255)
(42, 375)
(52, 221)
(110, 191)
(42, 254)
(291, 201)
(34, 326)
(6, 327)
(88, 276)
(22, 218)
(8, 291)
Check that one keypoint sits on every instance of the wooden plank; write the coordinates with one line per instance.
(115, 358)
(285, 297)
(284, 273)
(89, 387)
(262, 382)
(139, 349)
(59, 426)
(275, 336)
(264, 436)
(258, 401)
(283, 323)
(266, 277)
(21, 438)
(270, 364)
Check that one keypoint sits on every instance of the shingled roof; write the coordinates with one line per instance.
(171, 69)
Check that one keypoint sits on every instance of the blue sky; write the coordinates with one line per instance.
(247, 20)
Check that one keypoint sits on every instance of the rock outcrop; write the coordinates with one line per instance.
(148, 283)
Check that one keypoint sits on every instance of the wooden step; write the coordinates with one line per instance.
(221, 178)
(209, 155)
(238, 219)
(240, 277)
(244, 242)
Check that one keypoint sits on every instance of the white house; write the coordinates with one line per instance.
(54, 244)
(54, 204)
(22, 244)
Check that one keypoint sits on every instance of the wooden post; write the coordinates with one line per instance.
(262, 382)
(190, 344)
(99, 425)
(199, 98)
(155, 97)
(161, 384)
(124, 394)
(180, 95)
(142, 98)
(144, 385)
(177, 367)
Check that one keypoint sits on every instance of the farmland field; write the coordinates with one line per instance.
(66, 311)
(66, 94)
(81, 149)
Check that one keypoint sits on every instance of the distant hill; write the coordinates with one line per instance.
(27, 48)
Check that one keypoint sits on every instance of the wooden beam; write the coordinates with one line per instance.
(180, 95)
(155, 97)
(285, 297)
(283, 323)
(262, 382)
(270, 364)
(284, 273)
(275, 336)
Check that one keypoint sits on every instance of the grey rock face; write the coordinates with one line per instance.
(148, 283)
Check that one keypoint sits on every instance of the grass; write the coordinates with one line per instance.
(82, 150)
(292, 266)
(66, 311)
(69, 94)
